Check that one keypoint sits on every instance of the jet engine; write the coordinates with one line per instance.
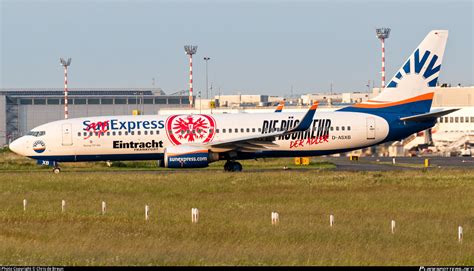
(188, 157)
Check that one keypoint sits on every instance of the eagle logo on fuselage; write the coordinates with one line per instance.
(197, 128)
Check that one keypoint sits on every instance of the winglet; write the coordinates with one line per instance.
(307, 119)
(280, 106)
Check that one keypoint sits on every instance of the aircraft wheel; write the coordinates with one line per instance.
(236, 167)
(56, 170)
(228, 166)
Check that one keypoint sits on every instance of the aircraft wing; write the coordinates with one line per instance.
(429, 116)
(245, 144)
(262, 141)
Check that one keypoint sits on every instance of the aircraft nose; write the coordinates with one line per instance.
(17, 146)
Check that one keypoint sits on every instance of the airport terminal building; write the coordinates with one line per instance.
(23, 109)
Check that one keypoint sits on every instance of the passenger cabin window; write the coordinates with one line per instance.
(113, 133)
(253, 130)
(248, 130)
(342, 128)
(151, 132)
(223, 130)
(139, 132)
(348, 128)
(236, 130)
(337, 128)
(259, 130)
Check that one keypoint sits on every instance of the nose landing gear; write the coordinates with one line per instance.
(232, 166)
(56, 170)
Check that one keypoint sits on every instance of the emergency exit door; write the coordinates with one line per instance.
(67, 134)
(370, 128)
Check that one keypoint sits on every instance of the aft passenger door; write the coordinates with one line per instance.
(370, 128)
(67, 134)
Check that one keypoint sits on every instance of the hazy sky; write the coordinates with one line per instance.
(261, 47)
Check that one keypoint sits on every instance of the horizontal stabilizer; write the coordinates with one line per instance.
(429, 116)
(280, 107)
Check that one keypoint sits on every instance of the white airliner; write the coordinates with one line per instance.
(195, 140)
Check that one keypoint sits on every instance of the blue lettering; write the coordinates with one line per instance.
(113, 124)
(131, 126)
(161, 124)
(86, 123)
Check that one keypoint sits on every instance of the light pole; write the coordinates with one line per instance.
(190, 51)
(213, 101)
(382, 34)
(206, 58)
(65, 64)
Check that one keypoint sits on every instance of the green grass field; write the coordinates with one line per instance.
(235, 223)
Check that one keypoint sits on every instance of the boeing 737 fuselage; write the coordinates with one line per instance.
(195, 140)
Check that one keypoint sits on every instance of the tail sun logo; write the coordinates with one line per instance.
(430, 73)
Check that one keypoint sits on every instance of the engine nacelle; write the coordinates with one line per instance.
(188, 157)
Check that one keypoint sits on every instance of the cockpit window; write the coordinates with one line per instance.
(36, 133)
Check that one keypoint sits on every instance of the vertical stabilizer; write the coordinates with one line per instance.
(411, 89)
(420, 71)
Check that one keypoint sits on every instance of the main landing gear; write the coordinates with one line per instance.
(232, 166)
